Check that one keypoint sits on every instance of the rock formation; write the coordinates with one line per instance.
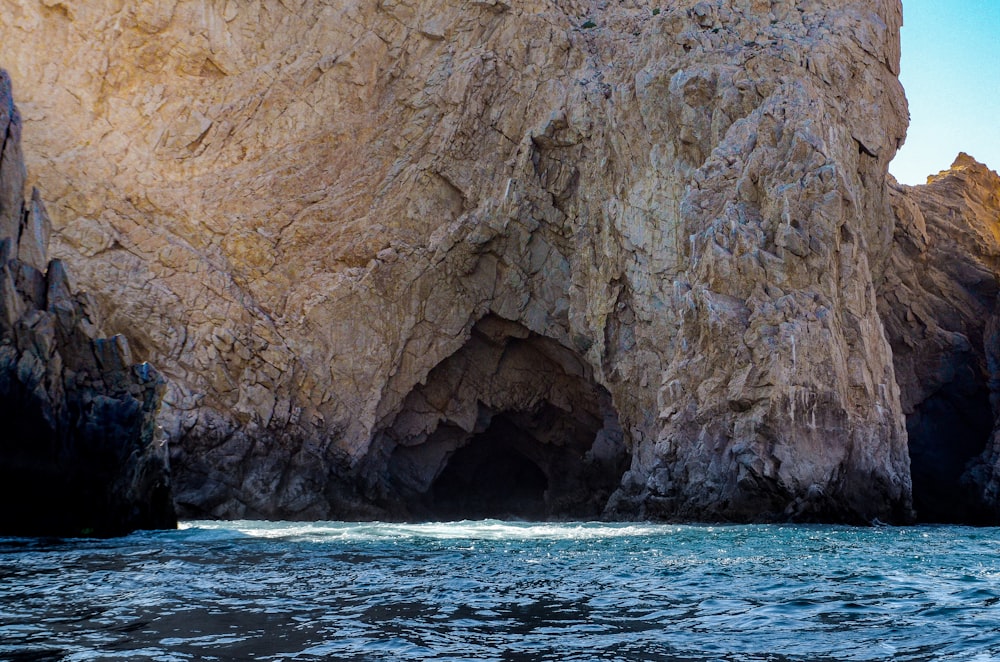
(78, 449)
(367, 240)
(937, 298)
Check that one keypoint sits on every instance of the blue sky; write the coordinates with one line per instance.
(951, 72)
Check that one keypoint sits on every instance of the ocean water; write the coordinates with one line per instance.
(504, 591)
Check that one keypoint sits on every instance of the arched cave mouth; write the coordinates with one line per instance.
(511, 426)
(947, 433)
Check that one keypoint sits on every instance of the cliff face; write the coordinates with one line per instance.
(78, 453)
(367, 243)
(938, 304)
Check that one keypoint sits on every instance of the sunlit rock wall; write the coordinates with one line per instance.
(299, 209)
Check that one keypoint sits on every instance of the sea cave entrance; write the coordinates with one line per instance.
(491, 476)
(947, 432)
(511, 426)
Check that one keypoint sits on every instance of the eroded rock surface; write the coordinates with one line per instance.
(937, 301)
(509, 410)
(314, 208)
(79, 454)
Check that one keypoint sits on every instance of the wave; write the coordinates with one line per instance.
(462, 530)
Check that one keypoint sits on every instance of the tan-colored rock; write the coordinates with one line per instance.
(34, 233)
(303, 212)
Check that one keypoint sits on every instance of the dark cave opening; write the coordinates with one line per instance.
(490, 478)
(511, 426)
(947, 432)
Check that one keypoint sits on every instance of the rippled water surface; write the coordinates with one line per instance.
(503, 591)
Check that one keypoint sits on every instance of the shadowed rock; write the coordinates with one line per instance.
(510, 425)
(937, 302)
(12, 170)
(79, 453)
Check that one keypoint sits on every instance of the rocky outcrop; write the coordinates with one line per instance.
(79, 453)
(936, 301)
(647, 233)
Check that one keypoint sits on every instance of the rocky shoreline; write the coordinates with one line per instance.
(414, 259)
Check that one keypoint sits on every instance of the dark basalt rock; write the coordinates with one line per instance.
(78, 447)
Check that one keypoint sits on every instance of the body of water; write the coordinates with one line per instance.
(504, 591)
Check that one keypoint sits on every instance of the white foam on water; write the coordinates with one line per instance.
(463, 530)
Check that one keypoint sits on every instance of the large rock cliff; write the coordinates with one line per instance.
(394, 257)
(937, 302)
(78, 448)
